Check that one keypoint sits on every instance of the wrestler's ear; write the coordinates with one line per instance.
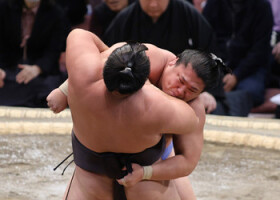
(173, 62)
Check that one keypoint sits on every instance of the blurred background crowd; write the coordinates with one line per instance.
(244, 33)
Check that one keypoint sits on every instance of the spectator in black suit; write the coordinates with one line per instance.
(31, 39)
(243, 29)
(104, 13)
(75, 10)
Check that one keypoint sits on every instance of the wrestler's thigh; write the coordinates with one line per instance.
(91, 186)
(184, 188)
(153, 190)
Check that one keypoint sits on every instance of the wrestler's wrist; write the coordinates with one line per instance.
(148, 172)
(64, 88)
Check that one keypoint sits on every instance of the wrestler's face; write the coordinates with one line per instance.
(181, 82)
(116, 5)
(154, 8)
(31, 3)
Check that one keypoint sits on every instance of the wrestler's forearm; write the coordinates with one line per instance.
(172, 168)
(180, 165)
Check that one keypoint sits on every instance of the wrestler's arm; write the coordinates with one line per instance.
(188, 148)
(82, 55)
(57, 99)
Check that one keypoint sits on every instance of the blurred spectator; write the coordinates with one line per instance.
(274, 75)
(277, 112)
(104, 13)
(198, 4)
(76, 15)
(75, 10)
(31, 39)
(174, 25)
(94, 3)
(276, 100)
(2, 77)
(273, 81)
(243, 29)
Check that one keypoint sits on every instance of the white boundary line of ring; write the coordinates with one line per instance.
(244, 131)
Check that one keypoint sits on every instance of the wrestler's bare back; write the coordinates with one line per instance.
(99, 113)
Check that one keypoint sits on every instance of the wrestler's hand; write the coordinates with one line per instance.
(208, 101)
(57, 101)
(2, 77)
(27, 73)
(132, 178)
